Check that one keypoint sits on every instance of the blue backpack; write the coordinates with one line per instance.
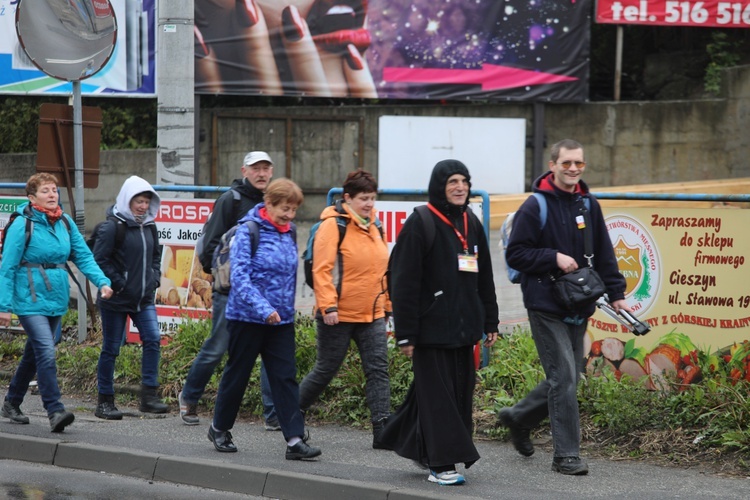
(514, 275)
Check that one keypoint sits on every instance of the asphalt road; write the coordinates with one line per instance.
(348, 468)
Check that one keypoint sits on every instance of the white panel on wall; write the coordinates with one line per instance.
(493, 149)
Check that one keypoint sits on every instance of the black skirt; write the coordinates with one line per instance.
(434, 426)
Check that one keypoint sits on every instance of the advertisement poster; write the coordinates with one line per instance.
(421, 49)
(185, 290)
(687, 276)
(130, 70)
(710, 13)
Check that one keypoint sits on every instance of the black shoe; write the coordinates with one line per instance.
(106, 408)
(59, 420)
(519, 436)
(14, 413)
(222, 440)
(377, 430)
(150, 402)
(571, 466)
(301, 451)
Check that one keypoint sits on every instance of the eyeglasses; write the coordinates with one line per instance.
(260, 168)
(569, 163)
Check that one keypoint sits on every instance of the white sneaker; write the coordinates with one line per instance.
(446, 478)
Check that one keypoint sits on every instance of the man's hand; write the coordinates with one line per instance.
(566, 263)
(491, 339)
(5, 319)
(621, 305)
(106, 292)
(407, 350)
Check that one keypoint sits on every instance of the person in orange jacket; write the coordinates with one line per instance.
(350, 297)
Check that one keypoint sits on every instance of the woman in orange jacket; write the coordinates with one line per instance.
(350, 297)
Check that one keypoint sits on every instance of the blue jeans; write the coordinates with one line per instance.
(276, 346)
(113, 333)
(210, 355)
(38, 358)
(560, 348)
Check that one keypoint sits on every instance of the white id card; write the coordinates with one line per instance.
(468, 263)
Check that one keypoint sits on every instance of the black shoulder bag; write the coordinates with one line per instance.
(583, 286)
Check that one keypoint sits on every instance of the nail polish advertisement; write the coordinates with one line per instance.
(421, 49)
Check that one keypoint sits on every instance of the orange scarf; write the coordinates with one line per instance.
(52, 215)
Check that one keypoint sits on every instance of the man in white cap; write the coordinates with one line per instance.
(245, 193)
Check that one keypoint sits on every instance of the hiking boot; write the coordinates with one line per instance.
(447, 478)
(150, 402)
(188, 411)
(222, 440)
(14, 413)
(519, 436)
(272, 424)
(377, 430)
(106, 408)
(570, 466)
(302, 451)
(59, 420)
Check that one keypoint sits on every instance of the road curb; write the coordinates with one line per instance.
(211, 474)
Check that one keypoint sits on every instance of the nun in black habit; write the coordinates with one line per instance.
(443, 297)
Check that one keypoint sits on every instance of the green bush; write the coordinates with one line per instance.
(711, 415)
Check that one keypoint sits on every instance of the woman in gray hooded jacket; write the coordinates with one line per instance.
(128, 251)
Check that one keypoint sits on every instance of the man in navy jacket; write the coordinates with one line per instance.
(558, 333)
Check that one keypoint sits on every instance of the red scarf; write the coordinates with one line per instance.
(52, 215)
(264, 215)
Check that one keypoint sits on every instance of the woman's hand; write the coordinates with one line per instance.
(106, 292)
(5, 319)
(273, 318)
(331, 318)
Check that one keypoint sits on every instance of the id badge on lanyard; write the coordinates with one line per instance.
(468, 263)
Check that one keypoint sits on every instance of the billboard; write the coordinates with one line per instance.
(422, 49)
(130, 70)
(710, 13)
(686, 274)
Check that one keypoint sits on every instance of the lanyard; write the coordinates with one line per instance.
(462, 238)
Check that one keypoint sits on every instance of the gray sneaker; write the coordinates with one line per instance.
(14, 413)
(188, 411)
(272, 425)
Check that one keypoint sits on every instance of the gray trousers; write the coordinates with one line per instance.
(560, 347)
(333, 343)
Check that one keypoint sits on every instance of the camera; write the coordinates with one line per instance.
(623, 317)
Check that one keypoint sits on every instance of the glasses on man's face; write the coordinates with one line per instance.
(569, 163)
(260, 168)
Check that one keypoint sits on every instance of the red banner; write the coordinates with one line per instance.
(394, 49)
(675, 13)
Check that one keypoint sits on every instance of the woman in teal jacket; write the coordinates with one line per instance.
(35, 288)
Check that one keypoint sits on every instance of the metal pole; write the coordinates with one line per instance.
(618, 62)
(79, 215)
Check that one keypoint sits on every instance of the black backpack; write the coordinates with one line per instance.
(120, 229)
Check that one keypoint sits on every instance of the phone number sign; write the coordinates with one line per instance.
(674, 13)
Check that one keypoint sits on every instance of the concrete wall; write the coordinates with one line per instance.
(626, 143)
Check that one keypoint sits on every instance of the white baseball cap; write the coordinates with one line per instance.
(254, 157)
